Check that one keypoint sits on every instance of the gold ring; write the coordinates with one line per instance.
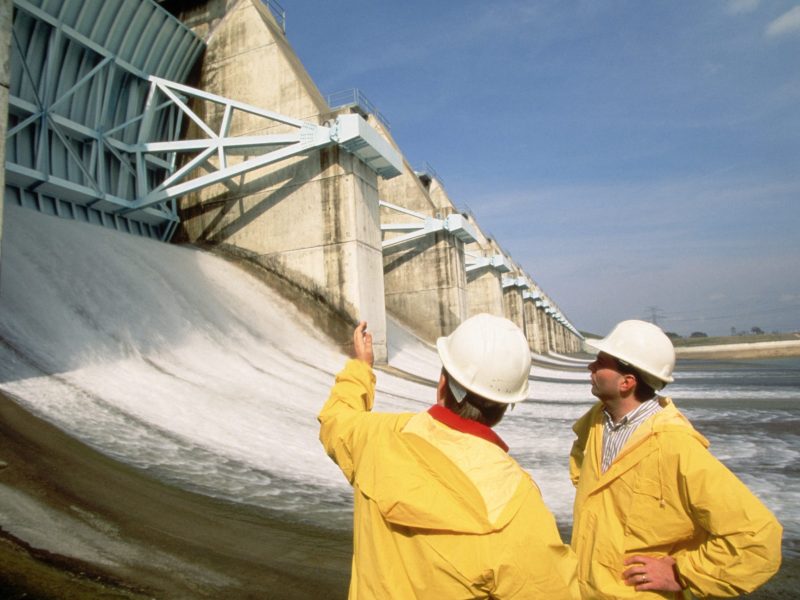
(644, 578)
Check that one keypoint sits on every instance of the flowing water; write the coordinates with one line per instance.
(182, 364)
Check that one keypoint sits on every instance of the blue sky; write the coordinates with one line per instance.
(627, 154)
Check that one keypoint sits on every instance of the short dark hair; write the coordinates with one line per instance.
(473, 407)
(643, 391)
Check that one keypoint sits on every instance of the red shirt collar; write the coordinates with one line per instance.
(453, 421)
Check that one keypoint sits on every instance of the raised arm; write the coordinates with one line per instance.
(351, 399)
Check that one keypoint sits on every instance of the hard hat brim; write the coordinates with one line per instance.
(599, 346)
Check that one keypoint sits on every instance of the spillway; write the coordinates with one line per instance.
(183, 364)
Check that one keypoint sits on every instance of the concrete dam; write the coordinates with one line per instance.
(201, 126)
(184, 239)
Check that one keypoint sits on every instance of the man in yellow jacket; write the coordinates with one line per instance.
(656, 515)
(441, 510)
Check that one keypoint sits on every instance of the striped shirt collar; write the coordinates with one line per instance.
(615, 436)
(634, 417)
(453, 421)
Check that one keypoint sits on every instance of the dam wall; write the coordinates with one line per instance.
(341, 216)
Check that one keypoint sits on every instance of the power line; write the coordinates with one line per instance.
(655, 314)
(736, 316)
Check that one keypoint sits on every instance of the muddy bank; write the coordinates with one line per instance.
(76, 524)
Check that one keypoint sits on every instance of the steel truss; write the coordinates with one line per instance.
(519, 282)
(475, 261)
(423, 225)
(214, 152)
(106, 135)
(528, 295)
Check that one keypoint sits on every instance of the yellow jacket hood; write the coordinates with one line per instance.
(428, 476)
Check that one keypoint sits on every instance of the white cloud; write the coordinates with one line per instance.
(737, 7)
(787, 23)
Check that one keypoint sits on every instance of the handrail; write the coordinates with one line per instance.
(355, 97)
(429, 170)
(277, 11)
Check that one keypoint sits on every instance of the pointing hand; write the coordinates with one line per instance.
(363, 344)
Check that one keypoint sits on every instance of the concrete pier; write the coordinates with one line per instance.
(485, 268)
(425, 278)
(541, 328)
(550, 337)
(513, 285)
(532, 325)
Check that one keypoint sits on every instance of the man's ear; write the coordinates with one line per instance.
(441, 394)
(627, 384)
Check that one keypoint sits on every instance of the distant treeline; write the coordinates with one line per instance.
(679, 342)
(703, 340)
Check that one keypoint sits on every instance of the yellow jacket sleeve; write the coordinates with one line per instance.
(351, 397)
(576, 455)
(346, 420)
(743, 547)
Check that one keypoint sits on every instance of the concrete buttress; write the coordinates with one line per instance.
(485, 292)
(425, 279)
(484, 278)
(512, 304)
(541, 329)
(531, 330)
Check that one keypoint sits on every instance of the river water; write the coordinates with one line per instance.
(179, 363)
(748, 410)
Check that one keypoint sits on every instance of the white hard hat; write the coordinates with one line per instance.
(488, 356)
(643, 346)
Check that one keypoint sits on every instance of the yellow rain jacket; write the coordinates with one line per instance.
(666, 494)
(438, 513)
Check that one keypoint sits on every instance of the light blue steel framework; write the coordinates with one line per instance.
(475, 261)
(519, 282)
(423, 225)
(79, 85)
(223, 156)
(95, 118)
